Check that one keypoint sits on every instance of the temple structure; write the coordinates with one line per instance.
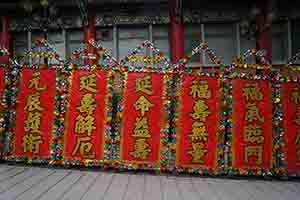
(174, 26)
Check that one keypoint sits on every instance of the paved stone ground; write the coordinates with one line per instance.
(32, 183)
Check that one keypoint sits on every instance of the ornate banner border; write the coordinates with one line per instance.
(11, 95)
(219, 168)
(249, 73)
(165, 146)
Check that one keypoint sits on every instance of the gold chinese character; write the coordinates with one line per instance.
(143, 84)
(253, 133)
(31, 143)
(33, 122)
(34, 82)
(143, 104)
(295, 96)
(252, 113)
(252, 92)
(87, 104)
(33, 103)
(88, 82)
(85, 147)
(200, 89)
(198, 152)
(84, 125)
(199, 132)
(200, 111)
(141, 149)
(254, 151)
(141, 128)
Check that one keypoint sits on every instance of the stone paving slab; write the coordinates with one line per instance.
(41, 183)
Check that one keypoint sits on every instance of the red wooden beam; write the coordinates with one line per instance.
(89, 32)
(263, 22)
(176, 32)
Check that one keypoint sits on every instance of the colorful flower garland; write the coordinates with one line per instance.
(61, 103)
(10, 99)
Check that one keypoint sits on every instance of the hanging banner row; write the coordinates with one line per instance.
(124, 120)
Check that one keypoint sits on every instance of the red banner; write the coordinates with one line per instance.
(142, 120)
(198, 124)
(252, 124)
(35, 113)
(291, 123)
(86, 115)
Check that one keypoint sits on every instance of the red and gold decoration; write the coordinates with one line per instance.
(143, 120)
(198, 124)
(41, 50)
(291, 125)
(35, 113)
(138, 61)
(252, 120)
(147, 114)
(84, 137)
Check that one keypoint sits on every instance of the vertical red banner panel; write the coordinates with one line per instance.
(86, 115)
(291, 123)
(252, 124)
(142, 119)
(35, 113)
(198, 124)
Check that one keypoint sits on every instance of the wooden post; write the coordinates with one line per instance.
(263, 38)
(89, 34)
(176, 32)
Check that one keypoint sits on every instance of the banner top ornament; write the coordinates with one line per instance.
(93, 55)
(258, 54)
(137, 60)
(42, 50)
(107, 54)
(295, 60)
(203, 47)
